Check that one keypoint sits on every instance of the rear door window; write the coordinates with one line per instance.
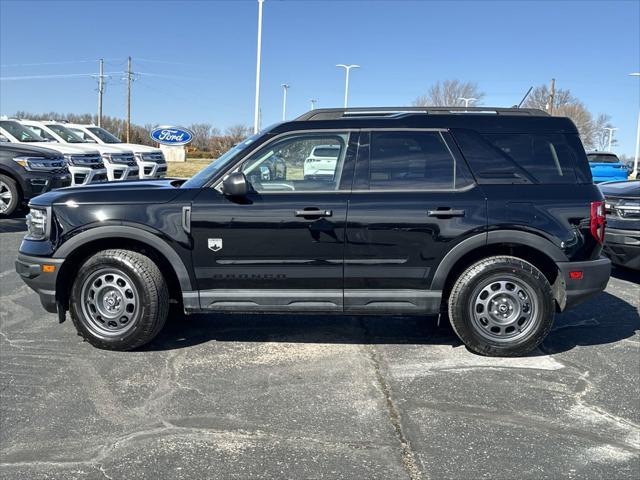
(413, 160)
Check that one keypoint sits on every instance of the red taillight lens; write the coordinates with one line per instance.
(597, 220)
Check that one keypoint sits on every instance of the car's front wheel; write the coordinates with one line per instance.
(501, 306)
(119, 300)
(9, 195)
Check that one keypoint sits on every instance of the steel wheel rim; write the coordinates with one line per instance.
(110, 302)
(5, 197)
(504, 309)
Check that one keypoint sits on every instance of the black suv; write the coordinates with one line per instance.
(487, 216)
(27, 171)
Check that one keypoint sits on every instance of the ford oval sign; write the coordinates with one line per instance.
(171, 135)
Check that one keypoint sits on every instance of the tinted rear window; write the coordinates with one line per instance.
(602, 158)
(523, 157)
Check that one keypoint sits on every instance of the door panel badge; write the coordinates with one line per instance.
(215, 244)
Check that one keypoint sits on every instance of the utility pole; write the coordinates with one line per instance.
(552, 94)
(100, 91)
(285, 87)
(129, 100)
(256, 113)
(347, 68)
(313, 103)
(610, 129)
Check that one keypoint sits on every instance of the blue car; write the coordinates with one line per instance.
(606, 167)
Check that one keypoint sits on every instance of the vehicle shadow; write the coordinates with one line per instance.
(14, 222)
(627, 274)
(602, 320)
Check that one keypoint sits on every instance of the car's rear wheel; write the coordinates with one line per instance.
(9, 195)
(501, 306)
(119, 300)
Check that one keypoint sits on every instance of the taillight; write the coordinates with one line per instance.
(597, 220)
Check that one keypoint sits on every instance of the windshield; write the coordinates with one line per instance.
(20, 132)
(66, 134)
(603, 158)
(200, 178)
(104, 135)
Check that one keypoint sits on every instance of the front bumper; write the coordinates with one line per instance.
(623, 247)
(150, 169)
(37, 184)
(121, 171)
(87, 175)
(43, 283)
(594, 279)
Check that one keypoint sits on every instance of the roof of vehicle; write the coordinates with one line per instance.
(27, 148)
(481, 119)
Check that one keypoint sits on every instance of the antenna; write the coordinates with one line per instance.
(525, 97)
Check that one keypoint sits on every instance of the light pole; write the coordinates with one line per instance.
(256, 113)
(634, 173)
(610, 129)
(285, 87)
(347, 68)
(313, 103)
(467, 101)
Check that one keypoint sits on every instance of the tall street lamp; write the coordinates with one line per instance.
(256, 113)
(285, 87)
(347, 69)
(467, 101)
(634, 174)
(610, 130)
(313, 103)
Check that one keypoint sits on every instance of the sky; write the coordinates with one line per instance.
(195, 60)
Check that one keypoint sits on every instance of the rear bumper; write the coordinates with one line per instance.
(623, 247)
(43, 283)
(595, 276)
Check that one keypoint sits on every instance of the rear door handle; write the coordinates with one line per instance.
(313, 213)
(445, 213)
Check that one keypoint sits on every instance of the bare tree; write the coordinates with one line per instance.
(218, 144)
(201, 135)
(600, 134)
(539, 98)
(448, 93)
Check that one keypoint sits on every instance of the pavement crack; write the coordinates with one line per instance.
(408, 456)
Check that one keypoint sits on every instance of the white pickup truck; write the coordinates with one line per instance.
(120, 163)
(150, 160)
(85, 166)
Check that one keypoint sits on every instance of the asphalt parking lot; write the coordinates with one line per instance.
(317, 397)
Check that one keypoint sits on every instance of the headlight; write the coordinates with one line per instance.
(80, 161)
(37, 223)
(151, 157)
(41, 164)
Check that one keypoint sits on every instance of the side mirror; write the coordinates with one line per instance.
(235, 185)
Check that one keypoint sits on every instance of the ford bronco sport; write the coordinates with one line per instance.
(486, 216)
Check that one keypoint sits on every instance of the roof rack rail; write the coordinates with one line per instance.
(357, 112)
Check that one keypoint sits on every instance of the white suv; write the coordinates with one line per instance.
(85, 166)
(120, 163)
(321, 163)
(150, 160)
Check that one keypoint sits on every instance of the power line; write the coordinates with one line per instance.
(69, 62)
(36, 77)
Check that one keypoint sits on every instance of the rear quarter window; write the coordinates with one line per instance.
(524, 157)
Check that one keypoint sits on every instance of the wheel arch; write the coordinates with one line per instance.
(536, 250)
(80, 247)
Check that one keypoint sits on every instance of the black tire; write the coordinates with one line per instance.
(11, 198)
(501, 306)
(106, 285)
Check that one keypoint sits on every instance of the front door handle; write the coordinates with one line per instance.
(445, 213)
(313, 213)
